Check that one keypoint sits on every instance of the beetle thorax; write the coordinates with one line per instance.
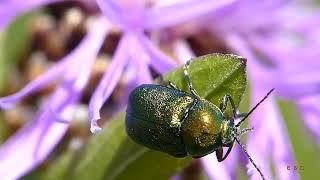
(201, 129)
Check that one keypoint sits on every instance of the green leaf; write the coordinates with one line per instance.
(306, 149)
(14, 44)
(3, 129)
(113, 155)
(213, 76)
(58, 169)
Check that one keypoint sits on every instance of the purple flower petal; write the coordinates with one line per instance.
(238, 17)
(307, 83)
(305, 22)
(114, 12)
(160, 61)
(10, 9)
(90, 44)
(40, 82)
(140, 61)
(32, 144)
(269, 138)
(310, 111)
(225, 170)
(108, 83)
(269, 133)
(39, 137)
(137, 71)
(181, 12)
(183, 52)
(239, 45)
(297, 63)
(282, 154)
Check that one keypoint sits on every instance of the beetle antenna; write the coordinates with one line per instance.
(246, 130)
(249, 157)
(251, 111)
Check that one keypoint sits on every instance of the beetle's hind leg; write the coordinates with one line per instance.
(187, 76)
(167, 83)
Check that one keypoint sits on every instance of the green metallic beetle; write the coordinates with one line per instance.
(180, 123)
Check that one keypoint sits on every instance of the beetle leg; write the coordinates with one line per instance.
(168, 83)
(173, 86)
(186, 113)
(241, 115)
(224, 103)
(186, 75)
(219, 153)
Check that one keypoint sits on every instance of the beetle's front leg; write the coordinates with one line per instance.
(186, 75)
(224, 102)
(219, 153)
(167, 83)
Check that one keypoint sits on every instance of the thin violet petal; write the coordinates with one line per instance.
(220, 170)
(282, 154)
(131, 82)
(269, 138)
(176, 177)
(37, 139)
(181, 12)
(183, 51)
(94, 127)
(143, 74)
(214, 169)
(258, 145)
(90, 44)
(260, 139)
(263, 121)
(40, 136)
(310, 112)
(304, 22)
(140, 60)
(113, 11)
(288, 87)
(239, 16)
(159, 60)
(95, 39)
(302, 56)
(278, 49)
(9, 10)
(303, 72)
(40, 82)
(239, 45)
(108, 83)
